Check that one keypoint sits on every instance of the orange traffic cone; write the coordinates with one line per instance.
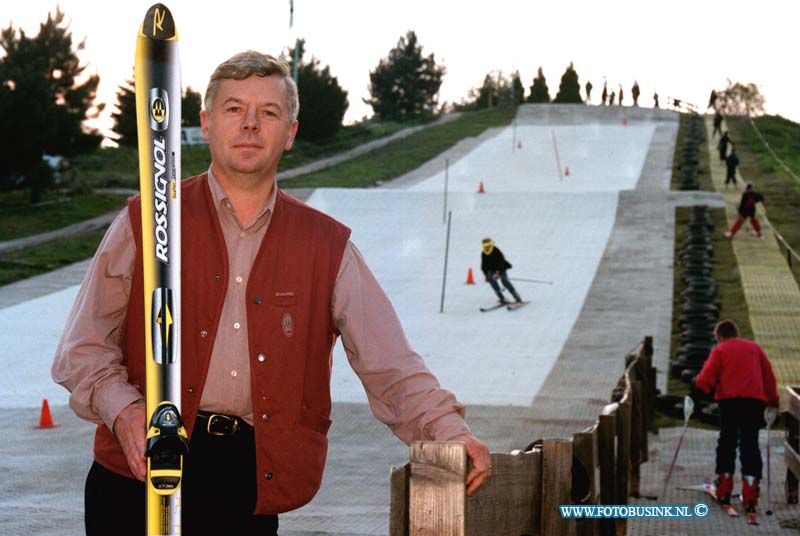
(480, 189)
(566, 172)
(46, 419)
(519, 144)
(470, 279)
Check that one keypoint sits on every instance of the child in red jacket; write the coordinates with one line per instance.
(741, 373)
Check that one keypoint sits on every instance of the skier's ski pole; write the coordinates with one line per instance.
(531, 280)
(688, 407)
(769, 416)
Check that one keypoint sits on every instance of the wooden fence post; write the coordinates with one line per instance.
(437, 489)
(792, 445)
(398, 504)
(623, 457)
(556, 486)
(584, 484)
(607, 454)
(509, 503)
(638, 436)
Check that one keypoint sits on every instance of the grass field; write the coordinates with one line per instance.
(59, 209)
(401, 157)
(49, 256)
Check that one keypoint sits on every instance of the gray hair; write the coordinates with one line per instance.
(246, 64)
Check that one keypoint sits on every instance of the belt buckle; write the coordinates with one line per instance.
(225, 418)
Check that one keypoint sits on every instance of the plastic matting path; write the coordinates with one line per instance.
(771, 292)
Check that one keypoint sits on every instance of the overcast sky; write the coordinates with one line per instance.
(680, 48)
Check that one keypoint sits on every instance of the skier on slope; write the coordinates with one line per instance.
(741, 373)
(747, 209)
(494, 266)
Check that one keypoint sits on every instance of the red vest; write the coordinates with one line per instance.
(289, 299)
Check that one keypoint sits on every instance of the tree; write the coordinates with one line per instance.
(323, 102)
(191, 104)
(740, 99)
(42, 107)
(539, 90)
(569, 90)
(496, 91)
(405, 85)
(125, 116)
(125, 126)
(517, 89)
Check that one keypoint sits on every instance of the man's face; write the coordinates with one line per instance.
(248, 127)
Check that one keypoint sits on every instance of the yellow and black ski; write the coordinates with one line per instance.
(158, 111)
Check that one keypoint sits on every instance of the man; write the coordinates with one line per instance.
(635, 91)
(268, 284)
(717, 124)
(723, 145)
(589, 92)
(741, 373)
(731, 163)
(747, 209)
(494, 266)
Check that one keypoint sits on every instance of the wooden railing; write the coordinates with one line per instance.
(792, 445)
(598, 465)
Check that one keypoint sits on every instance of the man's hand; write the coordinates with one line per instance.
(481, 463)
(129, 428)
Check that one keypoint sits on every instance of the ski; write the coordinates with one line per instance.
(710, 489)
(493, 307)
(158, 113)
(518, 305)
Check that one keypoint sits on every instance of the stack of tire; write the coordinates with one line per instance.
(699, 309)
(688, 164)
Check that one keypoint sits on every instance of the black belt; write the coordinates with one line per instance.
(217, 424)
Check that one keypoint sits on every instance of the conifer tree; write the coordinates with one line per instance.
(569, 90)
(405, 85)
(539, 90)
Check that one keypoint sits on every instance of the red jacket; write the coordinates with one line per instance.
(739, 368)
(290, 328)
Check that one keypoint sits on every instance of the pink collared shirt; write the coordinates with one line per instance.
(401, 391)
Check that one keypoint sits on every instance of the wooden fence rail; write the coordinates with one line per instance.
(792, 444)
(598, 465)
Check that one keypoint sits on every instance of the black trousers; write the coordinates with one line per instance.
(218, 492)
(741, 419)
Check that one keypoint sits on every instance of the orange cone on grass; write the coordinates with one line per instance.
(470, 279)
(46, 419)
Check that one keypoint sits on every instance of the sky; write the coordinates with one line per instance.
(680, 49)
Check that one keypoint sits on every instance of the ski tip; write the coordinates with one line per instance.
(158, 24)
